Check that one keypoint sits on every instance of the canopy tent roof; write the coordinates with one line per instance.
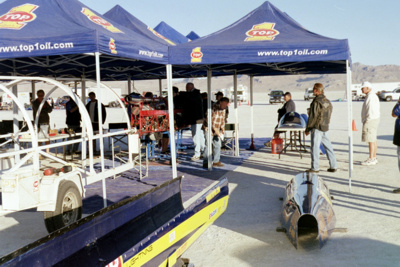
(165, 30)
(264, 42)
(124, 18)
(59, 37)
(192, 36)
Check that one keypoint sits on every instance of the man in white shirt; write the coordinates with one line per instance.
(370, 115)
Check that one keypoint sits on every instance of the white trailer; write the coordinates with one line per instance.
(58, 193)
(242, 93)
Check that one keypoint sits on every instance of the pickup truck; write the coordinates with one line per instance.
(390, 95)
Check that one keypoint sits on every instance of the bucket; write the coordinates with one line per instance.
(277, 145)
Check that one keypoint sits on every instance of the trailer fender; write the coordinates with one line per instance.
(49, 188)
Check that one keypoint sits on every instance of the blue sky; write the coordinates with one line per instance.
(371, 26)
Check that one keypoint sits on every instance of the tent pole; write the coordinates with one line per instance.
(171, 120)
(100, 116)
(252, 146)
(129, 85)
(160, 87)
(209, 126)
(349, 121)
(33, 85)
(236, 114)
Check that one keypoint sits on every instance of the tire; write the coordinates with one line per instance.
(68, 207)
(388, 98)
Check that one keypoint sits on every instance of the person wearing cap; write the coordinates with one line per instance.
(396, 136)
(370, 115)
(318, 126)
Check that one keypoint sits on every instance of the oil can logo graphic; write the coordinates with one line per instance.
(196, 55)
(262, 32)
(18, 17)
(112, 46)
(99, 21)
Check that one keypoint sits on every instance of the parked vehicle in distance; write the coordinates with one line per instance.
(390, 95)
(308, 94)
(276, 96)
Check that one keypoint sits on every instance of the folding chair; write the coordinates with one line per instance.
(229, 141)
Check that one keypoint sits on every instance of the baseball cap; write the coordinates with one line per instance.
(366, 84)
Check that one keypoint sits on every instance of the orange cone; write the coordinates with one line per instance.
(354, 126)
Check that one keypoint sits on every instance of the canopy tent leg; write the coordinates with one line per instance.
(129, 85)
(349, 120)
(33, 86)
(15, 123)
(171, 121)
(252, 146)
(100, 117)
(209, 126)
(160, 87)
(236, 115)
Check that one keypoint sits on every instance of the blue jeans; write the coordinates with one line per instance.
(216, 149)
(317, 138)
(198, 139)
(398, 156)
(74, 147)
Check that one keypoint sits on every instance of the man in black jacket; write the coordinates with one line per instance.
(318, 125)
(94, 115)
(193, 115)
(73, 121)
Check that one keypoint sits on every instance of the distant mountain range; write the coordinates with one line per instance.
(334, 82)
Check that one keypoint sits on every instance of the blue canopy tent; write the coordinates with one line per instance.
(165, 30)
(67, 39)
(192, 36)
(266, 42)
(54, 37)
(124, 18)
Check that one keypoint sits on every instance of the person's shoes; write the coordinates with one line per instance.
(312, 171)
(195, 158)
(218, 164)
(396, 191)
(376, 160)
(331, 170)
(369, 162)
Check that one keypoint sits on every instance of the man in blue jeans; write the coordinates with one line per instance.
(318, 126)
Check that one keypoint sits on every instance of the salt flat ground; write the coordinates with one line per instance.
(245, 234)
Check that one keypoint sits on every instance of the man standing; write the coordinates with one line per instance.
(73, 122)
(94, 115)
(193, 115)
(370, 115)
(44, 118)
(318, 125)
(217, 126)
(396, 136)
